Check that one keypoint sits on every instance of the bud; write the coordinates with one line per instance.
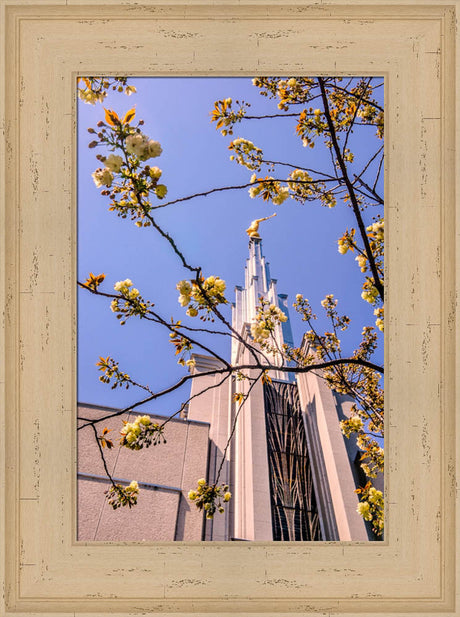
(93, 144)
(90, 130)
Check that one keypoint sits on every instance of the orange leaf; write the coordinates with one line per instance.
(129, 115)
(94, 280)
(111, 117)
(266, 378)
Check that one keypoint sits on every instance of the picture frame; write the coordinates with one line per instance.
(47, 45)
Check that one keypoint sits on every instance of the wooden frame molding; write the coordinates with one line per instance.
(47, 44)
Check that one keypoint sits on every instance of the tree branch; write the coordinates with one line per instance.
(238, 368)
(372, 103)
(158, 319)
(354, 202)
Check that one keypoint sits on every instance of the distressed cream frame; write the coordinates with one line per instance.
(47, 44)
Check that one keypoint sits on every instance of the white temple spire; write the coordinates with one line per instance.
(257, 284)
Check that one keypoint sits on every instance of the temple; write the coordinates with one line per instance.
(291, 472)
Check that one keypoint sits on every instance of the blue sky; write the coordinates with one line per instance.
(300, 242)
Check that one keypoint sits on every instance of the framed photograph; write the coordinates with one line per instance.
(208, 421)
(47, 569)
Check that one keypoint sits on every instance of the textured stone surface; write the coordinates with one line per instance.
(172, 467)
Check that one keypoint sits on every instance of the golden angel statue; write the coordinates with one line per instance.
(253, 229)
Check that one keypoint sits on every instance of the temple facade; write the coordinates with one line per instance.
(291, 472)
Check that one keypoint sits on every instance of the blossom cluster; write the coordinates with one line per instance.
(112, 373)
(183, 346)
(379, 322)
(362, 262)
(345, 105)
(351, 425)
(225, 117)
(124, 177)
(376, 235)
(87, 95)
(304, 188)
(347, 241)
(141, 433)
(190, 363)
(269, 189)
(292, 90)
(372, 457)
(311, 124)
(371, 507)
(210, 498)
(329, 304)
(303, 307)
(377, 230)
(102, 177)
(267, 317)
(370, 115)
(370, 292)
(246, 153)
(289, 90)
(94, 89)
(129, 303)
(357, 103)
(142, 146)
(201, 295)
(118, 495)
(324, 346)
(124, 287)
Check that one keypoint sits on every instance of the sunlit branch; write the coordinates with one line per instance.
(377, 282)
(238, 368)
(158, 319)
(371, 192)
(339, 371)
(154, 396)
(369, 162)
(236, 188)
(352, 122)
(264, 117)
(312, 171)
(368, 102)
(101, 452)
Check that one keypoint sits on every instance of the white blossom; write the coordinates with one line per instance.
(102, 177)
(113, 162)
